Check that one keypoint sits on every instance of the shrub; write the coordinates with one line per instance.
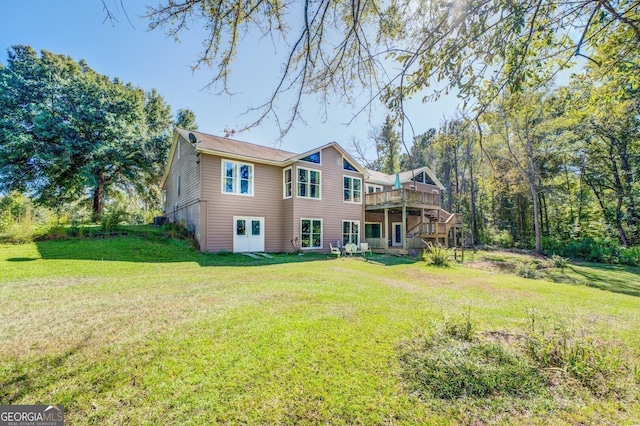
(502, 239)
(559, 261)
(112, 220)
(527, 270)
(437, 255)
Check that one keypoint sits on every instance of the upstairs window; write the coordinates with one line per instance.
(308, 183)
(374, 188)
(237, 178)
(287, 183)
(312, 158)
(348, 166)
(352, 189)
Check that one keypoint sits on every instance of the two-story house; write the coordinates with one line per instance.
(240, 197)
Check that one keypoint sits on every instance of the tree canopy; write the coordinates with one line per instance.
(395, 49)
(68, 132)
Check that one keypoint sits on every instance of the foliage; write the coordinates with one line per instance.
(601, 367)
(186, 119)
(437, 255)
(113, 220)
(68, 132)
(474, 48)
(527, 270)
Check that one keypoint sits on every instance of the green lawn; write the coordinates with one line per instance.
(137, 330)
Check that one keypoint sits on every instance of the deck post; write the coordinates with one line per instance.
(386, 229)
(404, 226)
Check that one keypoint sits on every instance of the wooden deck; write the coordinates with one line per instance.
(401, 197)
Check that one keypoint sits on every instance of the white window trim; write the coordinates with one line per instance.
(374, 186)
(321, 233)
(319, 185)
(223, 176)
(284, 183)
(347, 170)
(359, 236)
(311, 162)
(361, 194)
(179, 149)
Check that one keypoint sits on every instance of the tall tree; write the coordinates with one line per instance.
(186, 119)
(67, 132)
(388, 147)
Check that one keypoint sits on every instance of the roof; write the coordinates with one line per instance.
(405, 177)
(217, 144)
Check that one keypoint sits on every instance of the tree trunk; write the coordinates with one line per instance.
(472, 185)
(98, 198)
(536, 217)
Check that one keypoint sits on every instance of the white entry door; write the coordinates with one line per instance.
(396, 234)
(248, 234)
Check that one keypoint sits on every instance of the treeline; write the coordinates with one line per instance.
(77, 142)
(553, 169)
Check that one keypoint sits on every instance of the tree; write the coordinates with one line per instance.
(336, 48)
(388, 147)
(68, 132)
(186, 119)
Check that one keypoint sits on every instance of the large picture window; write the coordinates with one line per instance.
(287, 178)
(308, 183)
(237, 178)
(350, 232)
(311, 233)
(352, 189)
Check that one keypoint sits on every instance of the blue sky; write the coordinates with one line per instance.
(150, 59)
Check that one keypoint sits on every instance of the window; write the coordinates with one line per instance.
(423, 177)
(237, 178)
(311, 233)
(308, 183)
(352, 189)
(312, 158)
(373, 188)
(348, 166)
(178, 185)
(350, 232)
(287, 189)
(373, 230)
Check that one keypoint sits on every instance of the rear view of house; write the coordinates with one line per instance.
(240, 197)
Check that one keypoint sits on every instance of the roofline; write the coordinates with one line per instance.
(337, 146)
(240, 157)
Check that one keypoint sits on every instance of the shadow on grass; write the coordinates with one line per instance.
(20, 379)
(153, 249)
(614, 278)
(21, 259)
(158, 249)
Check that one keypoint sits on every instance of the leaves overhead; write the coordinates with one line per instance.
(392, 50)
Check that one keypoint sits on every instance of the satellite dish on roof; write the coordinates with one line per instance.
(192, 138)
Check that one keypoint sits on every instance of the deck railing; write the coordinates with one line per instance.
(402, 195)
(375, 243)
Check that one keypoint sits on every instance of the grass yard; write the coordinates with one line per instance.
(138, 329)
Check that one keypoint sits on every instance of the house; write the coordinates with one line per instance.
(240, 197)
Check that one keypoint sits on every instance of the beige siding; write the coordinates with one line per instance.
(265, 202)
(184, 206)
(331, 208)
